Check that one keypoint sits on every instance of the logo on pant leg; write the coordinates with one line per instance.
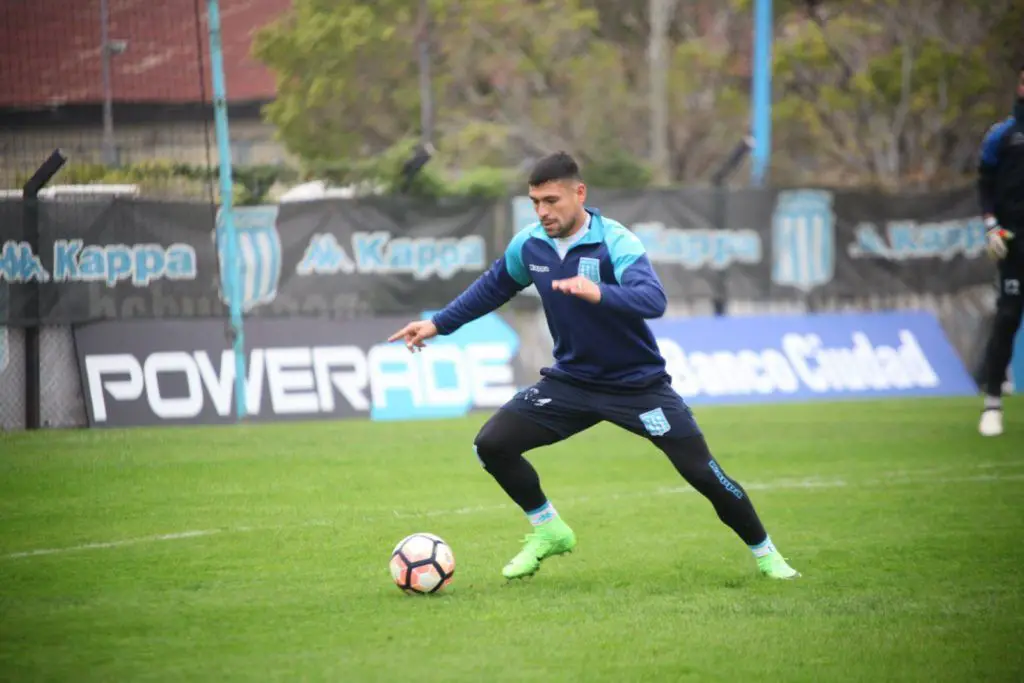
(655, 422)
(533, 396)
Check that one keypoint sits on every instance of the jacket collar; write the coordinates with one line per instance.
(594, 236)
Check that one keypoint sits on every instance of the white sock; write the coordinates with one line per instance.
(764, 548)
(545, 513)
(994, 402)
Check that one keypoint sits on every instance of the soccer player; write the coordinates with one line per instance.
(1001, 190)
(597, 287)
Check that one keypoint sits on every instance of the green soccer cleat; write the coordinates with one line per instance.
(774, 566)
(547, 540)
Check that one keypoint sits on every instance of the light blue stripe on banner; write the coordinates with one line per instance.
(275, 264)
(828, 248)
(796, 260)
(259, 272)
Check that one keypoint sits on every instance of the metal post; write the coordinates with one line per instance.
(30, 226)
(720, 296)
(220, 113)
(718, 182)
(109, 152)
(762, 91)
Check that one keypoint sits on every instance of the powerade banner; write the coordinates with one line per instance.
(763, 359)
(183, 372)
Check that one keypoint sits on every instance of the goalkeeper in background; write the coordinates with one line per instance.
(1001, 190)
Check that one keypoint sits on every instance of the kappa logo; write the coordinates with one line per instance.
(532, 395)
(803, 239)
(590, 268)
(260, 254)
(539, 269)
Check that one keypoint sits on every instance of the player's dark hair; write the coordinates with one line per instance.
(557, 166)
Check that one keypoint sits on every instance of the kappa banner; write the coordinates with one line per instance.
(128, 258)
(795, 243)
(761, 359)
(358, 258)
(183, 372)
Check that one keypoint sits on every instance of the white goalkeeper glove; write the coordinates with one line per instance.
(996, 238)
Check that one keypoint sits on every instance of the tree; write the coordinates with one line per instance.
(659, 58)
(893, 92)
(511, 79)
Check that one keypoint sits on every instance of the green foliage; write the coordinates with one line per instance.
(617, 170)
(169, 179)
(881, 91)
(484, 182)
(510, 79)
(383, 173)
(888, 93)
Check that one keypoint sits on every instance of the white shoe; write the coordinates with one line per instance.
(991, 422)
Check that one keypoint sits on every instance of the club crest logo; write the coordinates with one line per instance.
(655, 422)
(259, 255)
(803, 239)
(590, 268)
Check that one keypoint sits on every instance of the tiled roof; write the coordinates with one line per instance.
(50, 51)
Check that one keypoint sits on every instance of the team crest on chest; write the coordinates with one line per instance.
(590, 268)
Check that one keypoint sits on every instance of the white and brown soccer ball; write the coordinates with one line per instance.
(422, 563)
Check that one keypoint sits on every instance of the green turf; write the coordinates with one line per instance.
(906, 525)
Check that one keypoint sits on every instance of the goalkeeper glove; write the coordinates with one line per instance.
(996, 238)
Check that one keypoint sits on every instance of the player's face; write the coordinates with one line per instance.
(559, 206)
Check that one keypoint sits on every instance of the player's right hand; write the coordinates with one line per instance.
(995, 242)
(414, 334)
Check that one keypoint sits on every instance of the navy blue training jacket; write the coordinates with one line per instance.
(607, 345)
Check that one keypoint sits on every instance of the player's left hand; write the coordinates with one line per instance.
(579, 286)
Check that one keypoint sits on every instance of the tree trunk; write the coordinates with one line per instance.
(658, 60)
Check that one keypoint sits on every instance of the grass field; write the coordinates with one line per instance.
(260, 553)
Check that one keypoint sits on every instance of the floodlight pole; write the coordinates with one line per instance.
(232, 251)
(761, 92)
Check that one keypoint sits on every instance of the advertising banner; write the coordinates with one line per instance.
(129, 258)
(762, 359)
(182, 372)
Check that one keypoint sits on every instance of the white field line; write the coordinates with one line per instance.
(900, 478)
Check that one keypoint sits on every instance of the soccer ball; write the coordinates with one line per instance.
(422, 563)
